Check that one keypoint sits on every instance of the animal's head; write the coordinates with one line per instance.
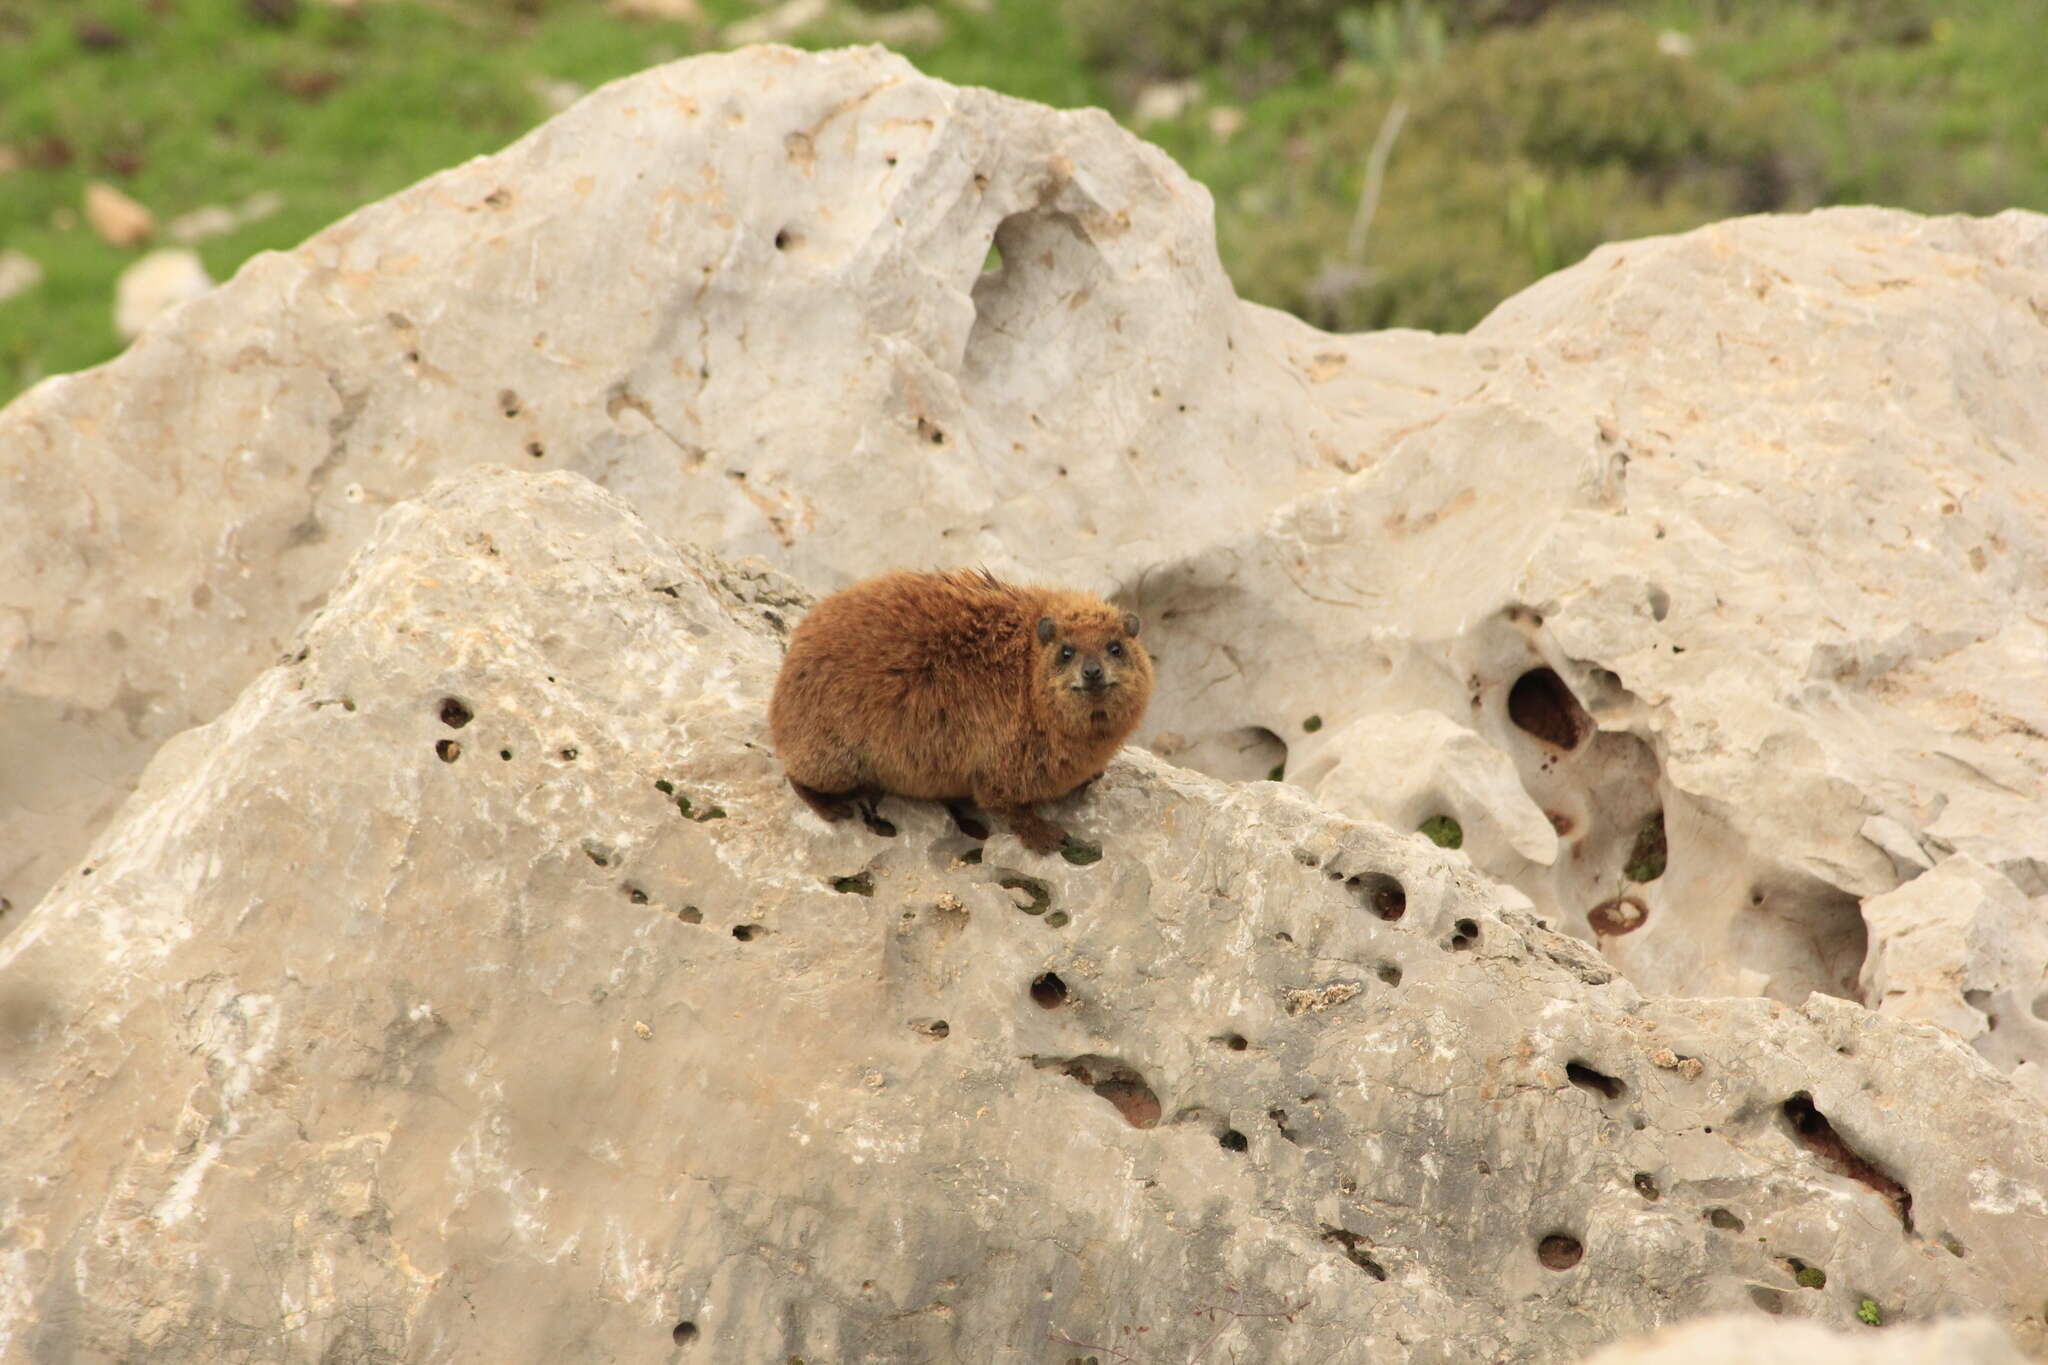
(1096, 674)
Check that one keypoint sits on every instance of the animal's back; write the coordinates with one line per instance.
(903, 683)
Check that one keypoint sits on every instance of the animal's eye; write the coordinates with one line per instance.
(1066, 653)
(1116, 649)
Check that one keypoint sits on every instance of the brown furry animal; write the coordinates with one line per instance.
(956, 687)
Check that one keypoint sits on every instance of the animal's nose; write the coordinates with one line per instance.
(1091, 671)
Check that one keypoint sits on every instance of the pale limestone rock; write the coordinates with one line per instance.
(678, 11)
(401, 1014)
(779, 24)
(115, 218)
(1164, 101)
(912, 26)
(19, 273)
(746, 292)
(157, 283)
(1741, 527)
(1962, 948)
(1764, 499)
(216, 220)
(1405, 769)
(1754, 1340)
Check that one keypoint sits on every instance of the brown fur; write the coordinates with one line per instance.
(937, 686)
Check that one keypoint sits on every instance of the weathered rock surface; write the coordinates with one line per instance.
(1765, 499)
(156, 284)
(1758, 1341)
(1704, 585)
(473, 989)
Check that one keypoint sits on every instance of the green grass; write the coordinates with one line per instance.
(1522, 147)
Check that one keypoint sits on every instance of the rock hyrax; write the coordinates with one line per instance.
(957, 687)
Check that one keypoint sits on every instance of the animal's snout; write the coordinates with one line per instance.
(1091, 672)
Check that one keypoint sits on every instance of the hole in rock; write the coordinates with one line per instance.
(1234, 1041)
(1724, 1220)
(2040, 1007)
(1464, 934)
(454, 714)
(1048, 992)
(1981, 1002)
(505, 754)
(1379, 893)
(1037, 895)
(690, 914)
(1818, 1135)
(534, 449)
(1283, 937)
(1646, 1186)
(1250, 754)
(508, 402)
(449, 750)
(785, 239)
(1122, 1086)
(1621, 915)
(1648, 856)
(685, 1333)
(859, 884)
(1230, 1140)
(1660, 603)
(1279, 1117)
(1559, 1251)
(1767, 1298)
(932, 1028)
(747, 933)
(1443, 831)
(1809, 935)
(1389, 972)
(569, 755)
(1540, 704)
(1049, 283)
(635, 895)
(1806, 1276)
(1586, 1078)
(1353, 1247)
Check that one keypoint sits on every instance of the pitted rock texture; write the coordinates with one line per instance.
(1736, 537)
(474, 989)
(1702, 586)
(748, 294)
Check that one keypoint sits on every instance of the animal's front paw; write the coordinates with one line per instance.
(830, 805)
(1040, 836)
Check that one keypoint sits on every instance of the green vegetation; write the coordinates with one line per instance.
(1647, 857)
(1867, 1313)
(1401, 163)
(1443, 831)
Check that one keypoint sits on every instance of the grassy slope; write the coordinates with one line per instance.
(1523, 147)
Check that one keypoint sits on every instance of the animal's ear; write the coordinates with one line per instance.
(1131, 623)
(1047, 628)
